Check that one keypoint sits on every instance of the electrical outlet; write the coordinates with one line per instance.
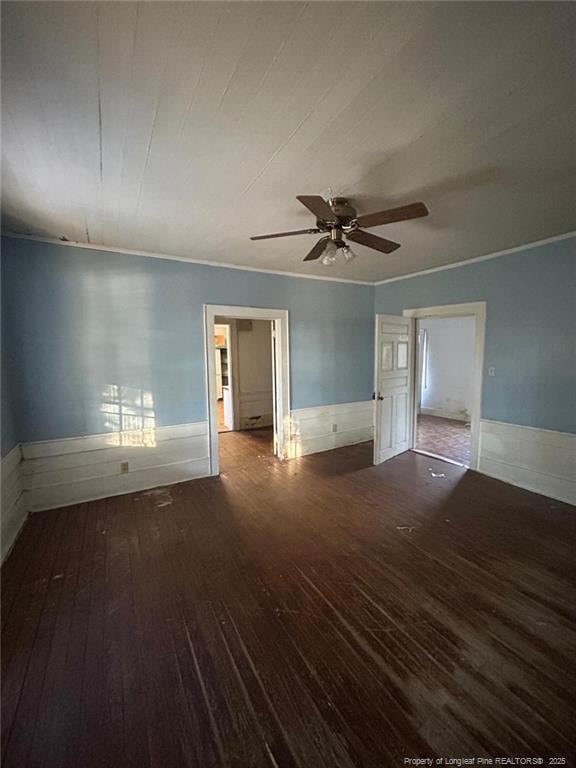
(334, 427)
(124, 467)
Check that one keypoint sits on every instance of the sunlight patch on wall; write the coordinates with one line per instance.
(128, 413)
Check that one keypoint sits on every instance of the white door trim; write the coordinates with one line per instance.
(476, 309)
(282, 372)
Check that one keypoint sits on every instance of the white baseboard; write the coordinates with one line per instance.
(14, 508)
(539, 460)
(57, 473)
(445, 414)
(312, 429)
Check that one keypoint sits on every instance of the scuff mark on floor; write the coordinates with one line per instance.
(162, 496)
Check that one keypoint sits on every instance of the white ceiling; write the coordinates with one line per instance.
(183, 128)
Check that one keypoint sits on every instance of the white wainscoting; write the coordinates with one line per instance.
(14, 509)
(539, 460)
(330, 426)
(56, 473)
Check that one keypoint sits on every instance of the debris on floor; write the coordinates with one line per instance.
(161, 496)
(408, 528)
(435, 474)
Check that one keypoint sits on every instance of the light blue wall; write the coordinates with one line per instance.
(8, 430)
(83, 319)
(530, 328)
(76, 320)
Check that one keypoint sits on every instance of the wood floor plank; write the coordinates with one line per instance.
(90, 701)
(57, 703)
(311, 613)
(171, 739)
(223, 712)
(39, 634)
(15, 569)
(21, 655)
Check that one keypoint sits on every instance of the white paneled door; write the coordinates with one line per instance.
(393, 386)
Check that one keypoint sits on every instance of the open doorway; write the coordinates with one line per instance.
(445, 393)
(244, 389)
(247, 364)
(222, 362)
(448, 382)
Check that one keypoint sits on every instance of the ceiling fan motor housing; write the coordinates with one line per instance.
(344, 216)
(342, 208)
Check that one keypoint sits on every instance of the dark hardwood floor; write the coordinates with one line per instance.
(247, 448)
(316, 613)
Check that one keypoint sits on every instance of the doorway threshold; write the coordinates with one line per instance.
(441, 458)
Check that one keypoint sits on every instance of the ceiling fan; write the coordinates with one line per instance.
(339, 219)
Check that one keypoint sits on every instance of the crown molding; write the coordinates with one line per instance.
(283, 273)
(476, 259)
(204, 262)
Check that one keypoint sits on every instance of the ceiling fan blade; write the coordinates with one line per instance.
(287, 234)
(403, 213)
(372, 241)
(318, 249)
(318, 206)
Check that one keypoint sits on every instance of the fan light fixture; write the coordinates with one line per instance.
(330, 253)
(329, 259)
(348, 254)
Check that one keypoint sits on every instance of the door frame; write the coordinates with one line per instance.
(476, 309)
(280, 327)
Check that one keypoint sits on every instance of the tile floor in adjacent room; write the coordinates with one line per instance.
(444, 437)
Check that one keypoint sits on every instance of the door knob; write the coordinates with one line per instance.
(380, 397)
